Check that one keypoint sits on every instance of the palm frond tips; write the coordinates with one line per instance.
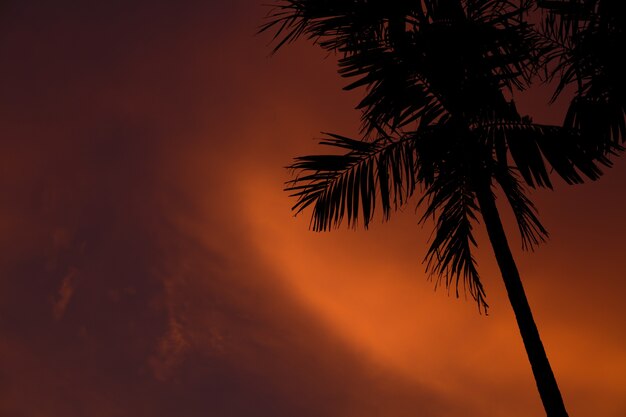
(531, 230)
(594, 31)
(602, 120)
(396, 93)
(335, 25)
(349, 185)
(449, 259)
(535, 148)
(288, 21)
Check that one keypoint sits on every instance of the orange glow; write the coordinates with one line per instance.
(150, 264)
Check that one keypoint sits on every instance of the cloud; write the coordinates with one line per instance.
(122, 166)
(64, 294)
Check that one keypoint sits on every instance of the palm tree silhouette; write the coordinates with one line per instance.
(436, 121)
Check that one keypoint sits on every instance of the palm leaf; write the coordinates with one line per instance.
(531, 230)
(536, 148)
(350, 185)
(594, 34)
(450, 200)
(603, 120)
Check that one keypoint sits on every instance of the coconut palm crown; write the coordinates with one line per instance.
(435, 119)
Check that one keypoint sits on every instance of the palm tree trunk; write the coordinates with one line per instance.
(544, 377)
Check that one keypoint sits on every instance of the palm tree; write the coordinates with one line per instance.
(436, 122)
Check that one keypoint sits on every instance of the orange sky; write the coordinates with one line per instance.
(150, 265)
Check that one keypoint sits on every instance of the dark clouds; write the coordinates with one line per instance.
(110, 306)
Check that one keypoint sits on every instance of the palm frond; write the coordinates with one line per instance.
(336, 25)
(536, 148)
(349, 185)
(397, 93)
(594, 35)
(450, 200)
(602, 120)
(531, 230)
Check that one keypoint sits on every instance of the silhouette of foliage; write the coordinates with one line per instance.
(434, 74)
(584, 40)
(436, 120)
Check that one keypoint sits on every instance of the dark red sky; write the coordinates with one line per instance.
(150, 265)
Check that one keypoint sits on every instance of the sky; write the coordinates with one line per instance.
(150, 264)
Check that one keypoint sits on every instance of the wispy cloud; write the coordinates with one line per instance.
(65, 293)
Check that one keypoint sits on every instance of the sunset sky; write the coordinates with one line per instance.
(150, 265)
